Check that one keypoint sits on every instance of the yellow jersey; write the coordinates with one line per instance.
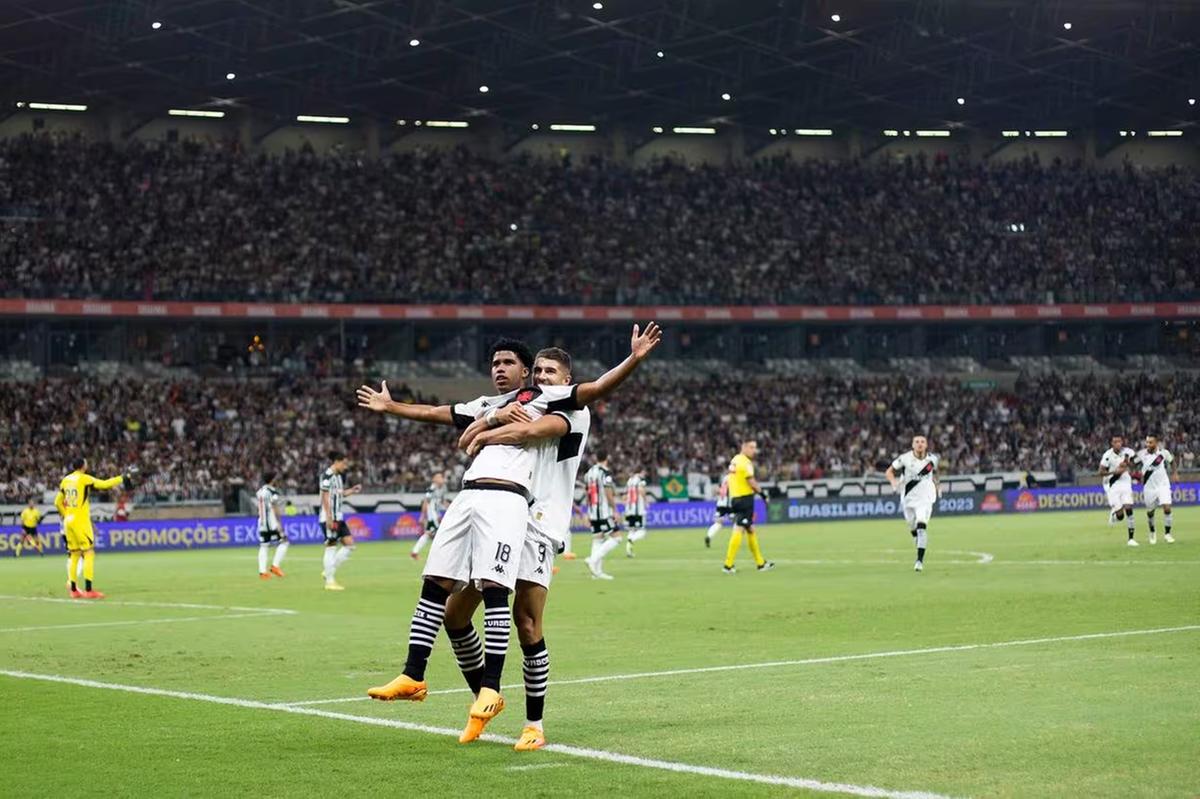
(741, 469)
(30, 517)
(74, 493)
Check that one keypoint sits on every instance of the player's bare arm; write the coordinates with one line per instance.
(381, 402)
(349, 492)
(325, 505)
(890, 474)
(641, 344)
(513, 413)
(521, 433)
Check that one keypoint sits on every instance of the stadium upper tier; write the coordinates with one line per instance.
(209, 223)
(192, 438)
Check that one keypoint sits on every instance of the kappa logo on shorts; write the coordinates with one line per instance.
(539, 570)
(498, 569)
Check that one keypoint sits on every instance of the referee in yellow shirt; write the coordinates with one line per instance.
(30, 517)
(742, 490)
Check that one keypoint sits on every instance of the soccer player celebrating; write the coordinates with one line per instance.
(431, 511)
(73, 501)
(602, 502)
(720, 512)
(270, 531)
(914, 476)
(743, 487)
(635, 510)
(338, 541)
(30, 517)
(1153, 462)
(1115, 465)
(482, 530)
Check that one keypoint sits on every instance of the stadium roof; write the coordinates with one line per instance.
(781, 62)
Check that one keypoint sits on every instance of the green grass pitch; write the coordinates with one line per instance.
(1045, 711)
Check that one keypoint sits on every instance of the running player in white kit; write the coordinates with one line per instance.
(1153, 462)
(270, 530)
(914, 476)
(431, 512)
(602, 506)
(1115, 467)
(723, 512)
(635, 511)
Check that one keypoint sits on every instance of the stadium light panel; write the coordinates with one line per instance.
(657, 129)
(814, 131)
(1010, 134)
(835, 17)
(401, 122)
(1191, 101)
(574, 128)
(155, 25)
(598, 6)
(934, 134)
(726, 96)
(961, 100)
(773, 132)
(325, 120)
(534, 126)
(890, 132)
(57, 107)
(445, 123)
(230, 75)
(1067, 26)
(1159, 134)
(414, 42)
(1050, 134)
(188, 112)
(484, 89)
(661, 54)
(695, 131)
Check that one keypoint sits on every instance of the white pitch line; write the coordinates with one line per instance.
(134, 622)
(535, 766)
(774, 664)
(130, 603)
(562, 749)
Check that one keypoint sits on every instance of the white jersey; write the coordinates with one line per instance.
(1109, 463)
(555, 467)
(596, 482)
(1154, 467)
(635, 497)
(916, 476)
(267, 498)
(331, 481)
(435, 503)
(503, 461)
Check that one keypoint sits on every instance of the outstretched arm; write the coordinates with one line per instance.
(381, 402)
(641, 344)
(112, 482)
(520, 433)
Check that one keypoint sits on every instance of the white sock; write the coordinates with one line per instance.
(535, 724)
(280, 551)
(638, 534)
(330, 563)
(597, 545)
(605, 548)
(343, 555)
(421, 542)
(263, 551)
(921, 538)
(713, 529)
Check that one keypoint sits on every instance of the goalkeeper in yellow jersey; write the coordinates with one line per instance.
(742, 489)
(74, 503)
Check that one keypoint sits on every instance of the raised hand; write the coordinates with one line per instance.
(374, 400)
(513, 412)
(642, 343)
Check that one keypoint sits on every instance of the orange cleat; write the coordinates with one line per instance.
(531, 738)
(93, 595)
(264, 575)
(76, 594)
(554, 570)
(568, 556)
(403, 687)
(278, 572)
(486, 707)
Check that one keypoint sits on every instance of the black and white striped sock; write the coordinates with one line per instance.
(537, 675)
(468, 651)
(497, 625)
(426, 621)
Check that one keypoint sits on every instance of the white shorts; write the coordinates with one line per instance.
(917, 513)
(1119, 496)
(1154, 497)
(537, 558)
(480, 538)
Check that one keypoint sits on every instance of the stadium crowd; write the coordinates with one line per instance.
(193, 438)
(205, 222)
